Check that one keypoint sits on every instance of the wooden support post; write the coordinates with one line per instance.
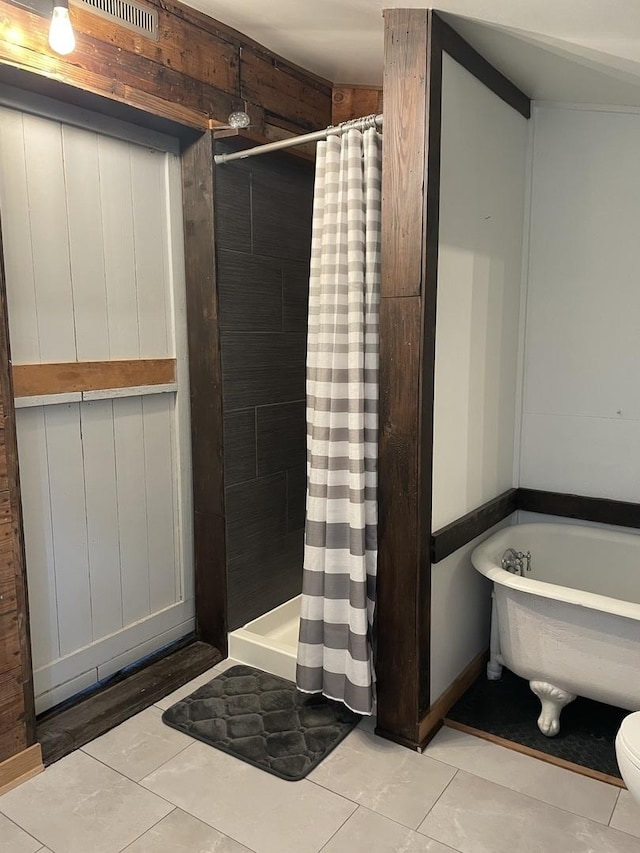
(205, 377)
(410, 207)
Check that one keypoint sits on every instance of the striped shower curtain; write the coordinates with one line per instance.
(339, 580)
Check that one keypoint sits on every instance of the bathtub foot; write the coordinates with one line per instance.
(494, 669)
(553, 699)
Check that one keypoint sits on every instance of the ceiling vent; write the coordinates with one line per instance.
(134, 16)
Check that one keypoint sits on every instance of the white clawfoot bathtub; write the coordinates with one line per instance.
(570, 625)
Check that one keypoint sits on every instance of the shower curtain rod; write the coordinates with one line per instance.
(316, 136)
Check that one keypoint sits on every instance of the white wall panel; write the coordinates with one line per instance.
(132, 508)
(102, 516)
(69, 522)
(149, 215)
(86, 248)
(460, 614)
(49, 239)
(482, 196)
(581, 407)
(16, 233)
(482, 200)
(36, 511)
(119, 249)
(158, 415)
(584, 456)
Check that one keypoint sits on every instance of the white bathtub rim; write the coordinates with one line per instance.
(486, 565)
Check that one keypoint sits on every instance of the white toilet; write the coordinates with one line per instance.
(628, 753)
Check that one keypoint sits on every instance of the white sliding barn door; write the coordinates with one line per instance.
(93, 245)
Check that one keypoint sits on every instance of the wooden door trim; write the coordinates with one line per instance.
(25, 722)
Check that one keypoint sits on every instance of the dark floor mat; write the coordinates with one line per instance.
(264, 720)
(508, 709)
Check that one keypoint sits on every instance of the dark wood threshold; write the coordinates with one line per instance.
(463, 530)
(534, 753)
(600, 510)
(69, 727)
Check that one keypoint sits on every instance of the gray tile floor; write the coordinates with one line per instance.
(145, 788)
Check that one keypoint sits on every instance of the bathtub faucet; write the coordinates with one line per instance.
(516, 561)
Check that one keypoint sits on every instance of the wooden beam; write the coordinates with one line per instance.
(264, 81)
(195, 71)
(205, 380)
(476, 64)
(599, 510)
(349, 102)
(34, 380)
(461, 531)
(410, 187)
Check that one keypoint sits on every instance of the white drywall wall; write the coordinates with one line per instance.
(581, 403)
(482, 197)
(482, 200)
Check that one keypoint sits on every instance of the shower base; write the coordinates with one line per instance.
(270, 642)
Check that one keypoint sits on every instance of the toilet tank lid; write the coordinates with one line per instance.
(630, 733)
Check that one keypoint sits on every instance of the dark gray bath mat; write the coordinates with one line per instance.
(263, 720)
(509, 710)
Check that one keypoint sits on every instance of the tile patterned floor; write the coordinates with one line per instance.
(145, 788)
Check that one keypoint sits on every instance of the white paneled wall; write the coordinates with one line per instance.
(581, 406)
(93, 253)
(482, 198)
(482, 206)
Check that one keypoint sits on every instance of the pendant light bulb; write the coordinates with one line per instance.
(61, 37)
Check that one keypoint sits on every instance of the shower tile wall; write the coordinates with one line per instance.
(263, 237)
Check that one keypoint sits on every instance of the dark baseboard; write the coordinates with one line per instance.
(69, 727)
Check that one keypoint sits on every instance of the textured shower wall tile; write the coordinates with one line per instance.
(249, 292)
(232, 208)
(262, 368)
(281, 437)
(264, 578)
(296, 497)
(295, 295)
(239, 446)
(256, 514)
(281, 214)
